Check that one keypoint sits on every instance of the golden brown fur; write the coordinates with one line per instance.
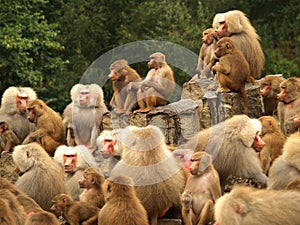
(9, 138)
(158, 85)
(232, 69)
(74, 212)
(230, 144)
(92, 182)
(10, 113)
(6, 217)
(201, 191)
(248, 206)
(270, 88)
(287, 166)
(274, 140)
(84, 116)
(42, 218)
(33, 162)
(123, 100)
(289, 102)
(158, 179)
(122, 204)
(245, 38)
(49, 129)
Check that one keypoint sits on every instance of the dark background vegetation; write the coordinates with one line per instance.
(49, 44)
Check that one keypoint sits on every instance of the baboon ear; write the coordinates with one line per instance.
(28, 154)
(228, 45)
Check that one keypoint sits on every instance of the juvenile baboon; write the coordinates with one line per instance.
(289, 102)
(8, 137)
(83, 117)
(270, 88)
(248, 206)
(201, 191)
(32, 162)
(49, 130)
(17, 212)
(92, 181)
(13, 110)
(232, 144)
(236, 25)
(232, 69)
(274, 140)
(42, 218)
(122, 204)
(158, 85)
(74, 160)
(158, 179)
(74, 212)
(121, 74)
(207, 57)
(286, 167)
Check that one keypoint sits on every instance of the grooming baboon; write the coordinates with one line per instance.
(13, 110)
(289, 103)
(122, 204)
(49, 130)
(286, 167)
(232, 69)
(75, 212)
(248, 206)
(158, 179)
(6, 216)
(124, 97)
(232, 144)
(236, 25)
(74, 160)
(158, 85)
(83, 117)
(270, 88)
(41, 178)
(201, 191)
(274, 140)
(92, 181)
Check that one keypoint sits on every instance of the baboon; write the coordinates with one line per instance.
(207, 57)
(232, 69)
(248, 206)
(92, 181)
(17, 212)
(74, 212)
(122, 204)
(236, 25)
(201, 191)
(32, 162)
(293, 185)
(49, 130)
(274, 140)
(13, 110)
(285, 168)
(9, 138)
(84, 115)
(232, 144)
(42, 218)
(6, 217)
(74, 160)
(121, 75)
(145, 152)
(158, 85)
(270, 88)
(289, 103)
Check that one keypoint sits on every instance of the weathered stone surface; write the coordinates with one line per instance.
(7, 167)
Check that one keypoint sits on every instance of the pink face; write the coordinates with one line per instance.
(114, 75)
(152, 64)
(31, 115)
(84, 98)
(258, 143)
(222, 29)
(265, 89)
(21, 104)
(70, 161)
